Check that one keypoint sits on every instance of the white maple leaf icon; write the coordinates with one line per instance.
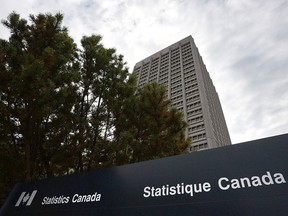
(27, 196)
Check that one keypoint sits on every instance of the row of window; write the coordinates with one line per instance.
(190, 82)
(164, 66)
(155, 61)
(195, 91)
(187, 52)
(175, 61)
(186, 72)
(199, 147)
(196, 119)
(193, 98)
(176, 92)
(163, 74)
(176, 98)
(194, 112)
(153, 79)
(175, 66)
(175, 51)
(153, 73)
(186, 47)
(177, 104)
(189, 75)
(192, 105)
(189, 106)
(192, 86)
(175, 75)
(164, 71)
(144, 72)
(175, 82)
(137, 70)
(176, 70)
(153, 76)
(189, 67)
(175, 55)
(199, 136)
(176, 87)
(154, 68)
(143, 78)
(188, 56)
(187, 62)
(145, 68)
(164, 60)
(196, 128)
(164, 80)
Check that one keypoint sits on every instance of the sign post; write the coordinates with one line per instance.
(244, 179)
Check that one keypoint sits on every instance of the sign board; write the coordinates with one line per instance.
(244, 179)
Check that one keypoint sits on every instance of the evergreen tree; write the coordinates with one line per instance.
(66, 110)
(151, 129)
(104, 86)
(37, 92)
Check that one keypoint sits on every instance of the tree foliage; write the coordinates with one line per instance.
(151, 128)
(66, 109)
(37, 90)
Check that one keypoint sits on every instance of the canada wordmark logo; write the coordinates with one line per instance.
(26, 198)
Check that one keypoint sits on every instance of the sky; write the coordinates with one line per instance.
(243, 43)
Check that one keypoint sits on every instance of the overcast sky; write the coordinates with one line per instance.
(244, 45)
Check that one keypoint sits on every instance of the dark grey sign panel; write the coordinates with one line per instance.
(244, 179)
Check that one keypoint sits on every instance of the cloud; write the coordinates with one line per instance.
(244, 54)
(244, 45)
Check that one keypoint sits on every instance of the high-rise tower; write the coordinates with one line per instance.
(189, 86)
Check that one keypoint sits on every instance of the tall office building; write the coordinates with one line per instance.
(189, 86)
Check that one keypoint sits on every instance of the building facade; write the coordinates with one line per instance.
(181, 69)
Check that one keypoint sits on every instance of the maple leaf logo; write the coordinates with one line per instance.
(25, 198)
